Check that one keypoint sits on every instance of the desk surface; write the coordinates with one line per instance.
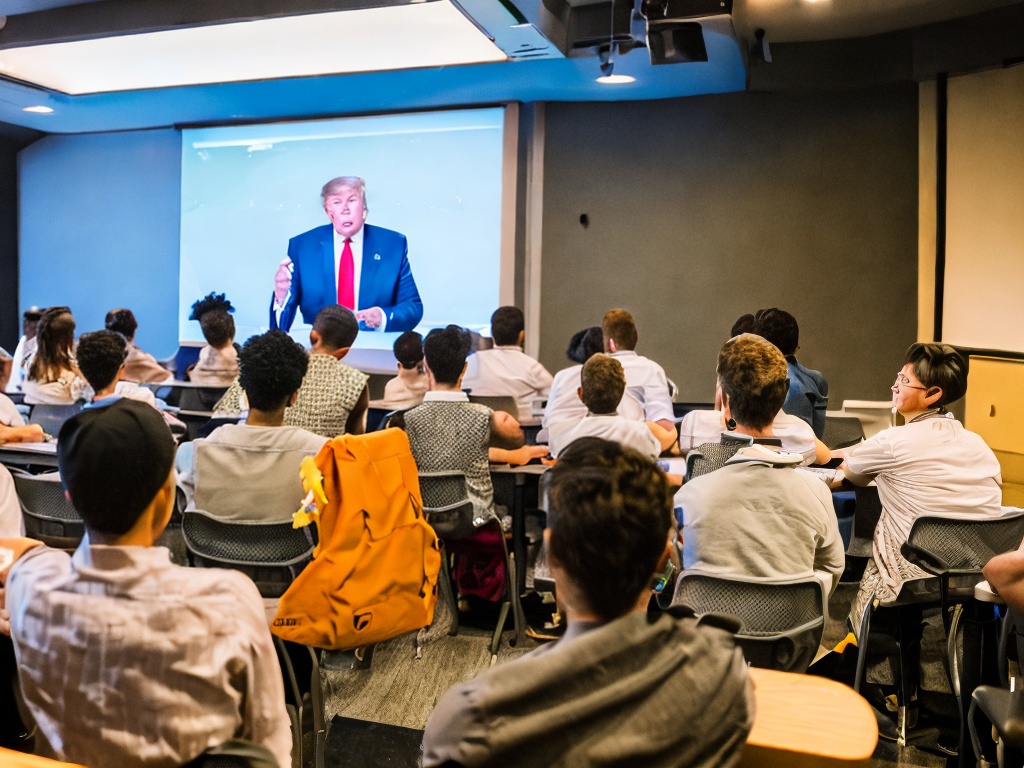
(803, 720)
(29, 454)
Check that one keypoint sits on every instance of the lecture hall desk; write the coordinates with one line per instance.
(803, 720)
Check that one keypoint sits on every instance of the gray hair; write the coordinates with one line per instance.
(343, 182)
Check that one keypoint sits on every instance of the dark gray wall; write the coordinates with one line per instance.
(12, 139)
(702, 209)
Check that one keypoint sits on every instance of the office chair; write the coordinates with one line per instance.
(52, 417)
(954, 550)
(47, 513)
(842, 431)
(782, 620)
(708, 457)
(505, 403)
(448, 508)
(272, 554)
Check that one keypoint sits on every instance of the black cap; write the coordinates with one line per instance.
(112, 461)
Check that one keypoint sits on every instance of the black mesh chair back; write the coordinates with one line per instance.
(446, 504)
(708, 457)
(782, 621)
(450, 511)
(842, 432)
(52, 417)
(47, 513)
(272, 554)
(236, 753)
(956, 549)
(505, 403)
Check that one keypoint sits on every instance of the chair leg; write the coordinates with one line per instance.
(496, 639)
(518, 617)
(909, 651)
(448, 592)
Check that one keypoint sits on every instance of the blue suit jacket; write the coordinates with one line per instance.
(385, 281)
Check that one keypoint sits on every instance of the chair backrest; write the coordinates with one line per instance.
(940, 544)
(708, 457)
(782, 620)
(505, 403)
(842, 431)
(47, 513)
(446, 504)
(52, 417)
(272, 554)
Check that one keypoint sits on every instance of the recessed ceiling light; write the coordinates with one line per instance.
(616, 79)
(38, 110)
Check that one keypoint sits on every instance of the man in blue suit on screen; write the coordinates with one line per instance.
(347, 262)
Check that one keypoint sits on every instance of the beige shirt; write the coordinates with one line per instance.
(142, 367)
(216, 367)
(128, 660)
(404, 391)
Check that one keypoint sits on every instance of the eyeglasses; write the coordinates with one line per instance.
(903, 381)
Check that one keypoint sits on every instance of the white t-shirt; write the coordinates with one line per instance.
(507, 370)
(699, 427)
(564, 404)
(629, 433)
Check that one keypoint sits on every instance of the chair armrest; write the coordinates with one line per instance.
(922, 558)
(1005, 710)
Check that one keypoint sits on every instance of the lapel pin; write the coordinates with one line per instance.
(376, 257)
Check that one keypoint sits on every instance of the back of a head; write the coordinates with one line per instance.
(445, 350)
(270, 369)
(618, 326)
(940, 365)
(122, 321)
(408, 350)
(506, 325)
(112, 461)
(585, 344)
(213, 313)
(30, 321)
(755, 378)
(744, 324)
(603, 381)
(100, 356)
(609, 512)
(54, 339)
(779, 327)
(337, 327)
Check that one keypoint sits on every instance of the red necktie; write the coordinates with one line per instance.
(347, 277)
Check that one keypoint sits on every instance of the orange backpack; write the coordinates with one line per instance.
(374, 571)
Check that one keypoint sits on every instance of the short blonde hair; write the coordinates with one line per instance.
(343, 182)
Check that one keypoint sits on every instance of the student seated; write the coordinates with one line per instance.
(53, 377)
(250, 471)
(602, 385)
(506, 369)
(808, 390)
(25, 349)
(139, 366)
(218, 360)
(929, 466)
(759, 515)
(333, 397)
(643, 376)
(124, 658)
(408, 387)
(622, 687)
(564, 403)
(101, 359)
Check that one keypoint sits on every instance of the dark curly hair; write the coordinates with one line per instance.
(585, 344)
(271, 367)
(609, 512)
(445, 350)
(939, 365)
(754, 377)
(100, 356)
(217, 325)
(337, 326)
(122, 321)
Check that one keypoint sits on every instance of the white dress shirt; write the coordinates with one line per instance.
(700, 426)
(564, 404)
(507, 370)
(646, 376)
